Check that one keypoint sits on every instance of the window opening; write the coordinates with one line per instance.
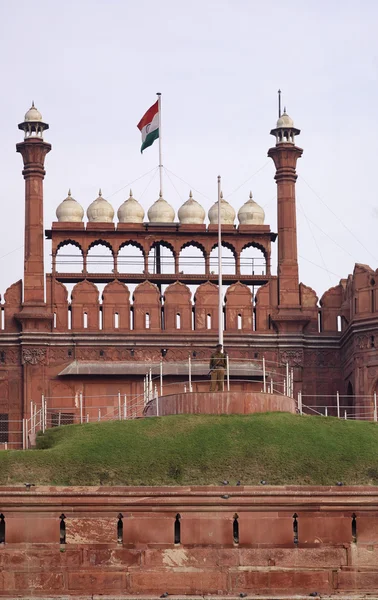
(2, 529)
(69, 318)
(147, 320)
(62, 529)
(338, 323)
(235, 528)
(319, 321)
(208, 321)
(239, 322)
(295, 528)
(120, 529)
(178, 321)
(354, 527)
(177, 529)
(85, 320)
(116, 321)
(2, 318)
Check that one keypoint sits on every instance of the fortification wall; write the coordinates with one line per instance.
(203, 540)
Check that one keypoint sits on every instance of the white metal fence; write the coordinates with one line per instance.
(162, 379)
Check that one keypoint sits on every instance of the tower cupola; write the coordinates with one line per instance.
(33, 125)
(285, 131)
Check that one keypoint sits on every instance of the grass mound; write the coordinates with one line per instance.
(201, 450)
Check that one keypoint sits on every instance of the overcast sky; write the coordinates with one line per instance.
(93, 68)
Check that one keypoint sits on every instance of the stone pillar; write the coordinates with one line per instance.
(285, 156)
(33, 151)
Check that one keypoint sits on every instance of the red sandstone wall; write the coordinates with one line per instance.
(208, 560)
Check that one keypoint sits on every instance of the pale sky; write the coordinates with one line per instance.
(93, 68)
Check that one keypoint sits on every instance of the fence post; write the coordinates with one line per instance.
(23, 435)
(99, 414)
(157, 406)
(271, 386)
(284, 390)
(190, 372)
(300, 403)
(161, 377)
(292, 383)
(375, 406)
(338, 404)
(81, 406)
(228, 372)
(59, 418)
(264, 376)
(124, 408)
(345, 415)
(288, 380)
(326, 411)
(43, 413)
(150, 393)
(119, 406)
(31, 416)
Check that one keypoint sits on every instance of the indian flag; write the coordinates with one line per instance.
(149, 126)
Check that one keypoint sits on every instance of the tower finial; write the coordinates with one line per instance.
(69, 192)
(190, 194)
(279, 103)
(221, 195)
(100, 192)
(250, 195)
(284, 109)
(33, 104)
(131, 193)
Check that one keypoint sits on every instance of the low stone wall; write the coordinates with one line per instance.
(218, 403)
(256, 540)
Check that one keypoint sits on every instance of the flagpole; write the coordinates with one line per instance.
(220, 303)
(160, 154)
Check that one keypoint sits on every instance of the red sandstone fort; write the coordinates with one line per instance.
(77, 341)
(78, 332)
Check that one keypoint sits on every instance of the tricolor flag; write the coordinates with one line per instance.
(149, 126)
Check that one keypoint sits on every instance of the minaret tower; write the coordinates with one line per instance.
(33, 150)
(285, 155)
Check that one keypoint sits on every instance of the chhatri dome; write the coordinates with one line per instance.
(33, 114)
(226, 211)
(285, 120)
(191, 212)
(100, 211)
(251, 213)
(130, 211)
(161, 211)
(69, 211)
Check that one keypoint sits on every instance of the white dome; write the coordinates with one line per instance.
(191, 212)
(161, 211)
(226, 210)
(285, 121)
(33, 114)
(69, 211)
(100, 211)
(130, 211)
(251, 213)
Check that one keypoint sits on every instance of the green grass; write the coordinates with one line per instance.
(201, 450)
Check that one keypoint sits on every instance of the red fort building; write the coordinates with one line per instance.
(129, 309)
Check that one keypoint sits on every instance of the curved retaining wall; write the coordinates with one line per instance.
(218, 403)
